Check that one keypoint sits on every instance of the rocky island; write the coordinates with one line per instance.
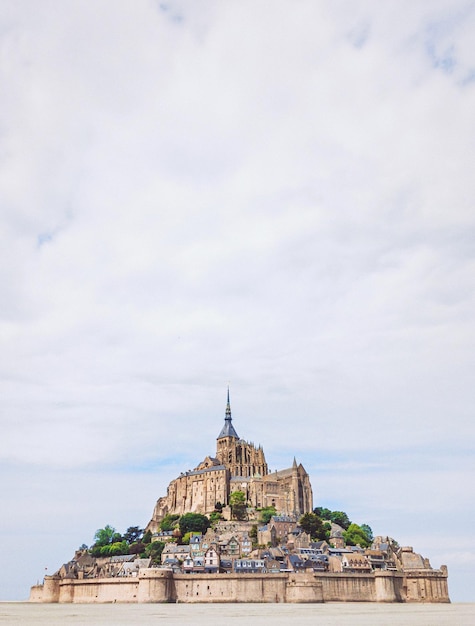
(231, 531)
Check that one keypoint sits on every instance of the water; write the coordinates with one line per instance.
(354, 614)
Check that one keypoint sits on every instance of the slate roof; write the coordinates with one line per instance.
(281, 473)
(213, 468)
(295, 561)
(122, 558)
(228, 429)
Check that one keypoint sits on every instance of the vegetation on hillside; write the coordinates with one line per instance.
(318, 526)
(237, 502)
(266, 513)
(193, 522)
(109, 542)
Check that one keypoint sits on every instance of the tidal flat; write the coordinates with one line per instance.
(341, 614)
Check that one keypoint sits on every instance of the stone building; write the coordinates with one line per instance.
(237, 466)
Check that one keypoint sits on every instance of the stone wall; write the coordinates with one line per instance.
(230, 588)
(427, 586)
(158, 585)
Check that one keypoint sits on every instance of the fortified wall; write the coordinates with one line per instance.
(156, 585)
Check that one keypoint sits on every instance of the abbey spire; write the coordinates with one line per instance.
(228, 428)
(228, 408)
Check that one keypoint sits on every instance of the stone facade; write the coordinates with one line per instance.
(237, 466)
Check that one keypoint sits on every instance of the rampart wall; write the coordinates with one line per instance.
(158, 585)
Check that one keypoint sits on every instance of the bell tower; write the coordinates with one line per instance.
(227, 439)
(239, 457)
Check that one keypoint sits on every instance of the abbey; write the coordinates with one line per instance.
(237, 466)
(226, 565)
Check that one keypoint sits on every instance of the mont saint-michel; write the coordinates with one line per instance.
(232, 531)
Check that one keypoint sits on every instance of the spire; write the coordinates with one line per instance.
(294, 465)
(228, 428)
(228, 407)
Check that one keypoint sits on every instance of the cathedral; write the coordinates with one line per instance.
(237, 466)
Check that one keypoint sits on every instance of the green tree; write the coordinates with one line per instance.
(326, 531)
(356, 535)
(169, 522)
(368, 532)
(340, 518)
(185, 540)
(118, 547)
(137, 548)
(133, 534)
(103, 536)
(147, 538)
(237, 502)
(322, 512)
(214, 518)
(154, 550)
(311, 524)
(266, 514)
(193, 522)
(112, 549)
(253, 534)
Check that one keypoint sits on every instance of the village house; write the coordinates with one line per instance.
(131, 568)
(212, 559)
(226, 566)
(283, 525)
(272, 566)
(336, 539)
(249, 566)
(320, 547)
(229, 546)
(295, 563)
(318, 563)
(377, 559)
(267, 535)
(196, 548)
(278, 553)
(163, 535)
(193, 565)
(246, 543)
(174, 552)
(355, 563)
(298, 538)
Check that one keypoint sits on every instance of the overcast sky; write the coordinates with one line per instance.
(275, 194)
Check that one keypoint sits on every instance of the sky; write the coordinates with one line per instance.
(275, 195)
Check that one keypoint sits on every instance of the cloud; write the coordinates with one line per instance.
(279, 196)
